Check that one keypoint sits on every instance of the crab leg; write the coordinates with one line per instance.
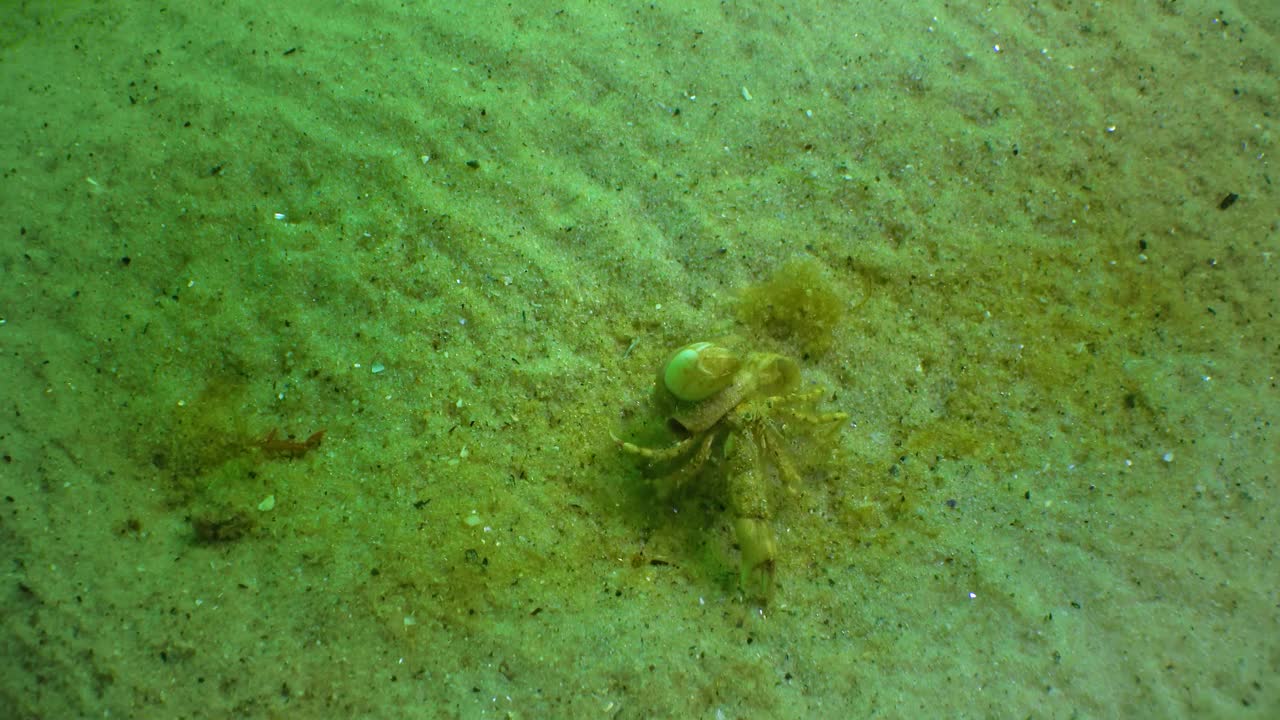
(748, 500)
(656, 454)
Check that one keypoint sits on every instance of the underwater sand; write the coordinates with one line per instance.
(1030, 248)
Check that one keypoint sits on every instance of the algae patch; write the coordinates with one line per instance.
(798, 302)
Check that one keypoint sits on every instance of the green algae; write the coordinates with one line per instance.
(798, 304)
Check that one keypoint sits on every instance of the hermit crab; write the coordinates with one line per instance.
(736, 412)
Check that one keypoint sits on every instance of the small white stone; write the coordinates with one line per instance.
(267, 503)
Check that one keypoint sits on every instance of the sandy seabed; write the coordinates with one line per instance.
(1040, 245)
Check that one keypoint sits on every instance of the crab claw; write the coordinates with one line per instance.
(758, 548)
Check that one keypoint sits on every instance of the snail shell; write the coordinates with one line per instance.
(699, 370)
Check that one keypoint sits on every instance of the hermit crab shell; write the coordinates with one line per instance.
(699, 370)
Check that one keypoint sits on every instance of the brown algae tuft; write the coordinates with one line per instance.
(799, 302)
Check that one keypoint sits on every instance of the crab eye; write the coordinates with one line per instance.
(698, 371)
